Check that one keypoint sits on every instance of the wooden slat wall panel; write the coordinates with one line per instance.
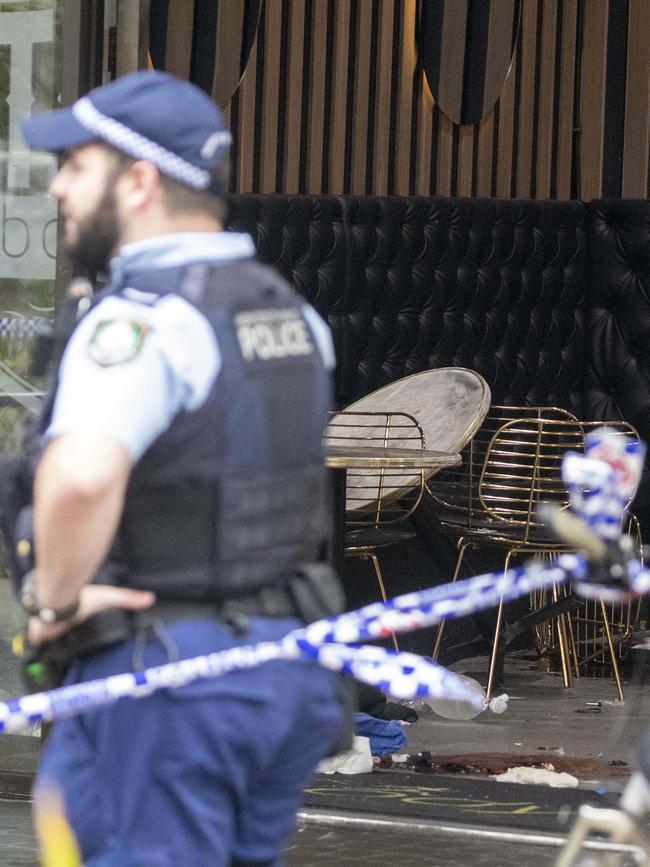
(592, 105)
(316, 99)
(484, 165)
(505, 139)
(526, 132)
(245, 132)
(565, 108)
(424, 141)
(178, 49)
(453, 46)
(498, 54)
(445, 155)
(228, 49)
(336, 134)
(404, 108)
(465, 161)
(637, 101)
(268, 133)
(544, 132)
(360, 98)
(384, 72)
(332, 102)
(294, 87)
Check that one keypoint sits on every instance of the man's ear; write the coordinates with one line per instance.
(139, 185)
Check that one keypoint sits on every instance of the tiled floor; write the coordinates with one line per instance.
(545, 719)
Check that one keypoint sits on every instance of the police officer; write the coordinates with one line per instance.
(181, 486)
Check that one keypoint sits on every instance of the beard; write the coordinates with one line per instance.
(97, 238)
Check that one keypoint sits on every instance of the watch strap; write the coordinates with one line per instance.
(46, 613)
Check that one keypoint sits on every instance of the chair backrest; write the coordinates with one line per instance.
(377, 496)
(456, 490)
(523, 467)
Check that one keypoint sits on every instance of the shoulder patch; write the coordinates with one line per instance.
(115, 341)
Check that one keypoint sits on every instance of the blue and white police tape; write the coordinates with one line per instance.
(19, 327)
(325, 642)
(602, 483)
(604, 480)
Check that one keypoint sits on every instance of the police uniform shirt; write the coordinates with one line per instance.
(136, 360)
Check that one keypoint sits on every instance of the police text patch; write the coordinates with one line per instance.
(269, 335)
(115, 341)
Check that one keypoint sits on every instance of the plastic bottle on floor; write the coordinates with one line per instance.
(454, 709)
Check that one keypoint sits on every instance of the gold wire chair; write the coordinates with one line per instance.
(594, 624)
(455, 491)
(378, 501)
(519, 452)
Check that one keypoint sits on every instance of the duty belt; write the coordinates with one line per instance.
(45, 666)
(310, 593)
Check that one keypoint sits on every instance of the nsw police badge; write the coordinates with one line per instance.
(115, 341)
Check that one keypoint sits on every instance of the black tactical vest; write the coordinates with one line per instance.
(233, 496)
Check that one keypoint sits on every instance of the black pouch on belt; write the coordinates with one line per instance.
(316, 591)
(45, 666)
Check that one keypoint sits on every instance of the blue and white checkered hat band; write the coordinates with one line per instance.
(136, 145)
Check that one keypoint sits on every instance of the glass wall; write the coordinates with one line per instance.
(29, 77)
(29, 82)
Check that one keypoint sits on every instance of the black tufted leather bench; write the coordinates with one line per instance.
(548, 300)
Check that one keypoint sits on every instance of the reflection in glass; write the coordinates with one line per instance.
(466, 49)
(29, 82)
(28, 216)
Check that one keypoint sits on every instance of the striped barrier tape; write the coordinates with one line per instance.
(332, 642)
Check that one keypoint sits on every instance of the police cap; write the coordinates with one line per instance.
(150, 116)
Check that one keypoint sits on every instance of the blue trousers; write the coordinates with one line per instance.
(206, 775)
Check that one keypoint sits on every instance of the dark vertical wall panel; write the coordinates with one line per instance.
(333, 101)
(615, 78)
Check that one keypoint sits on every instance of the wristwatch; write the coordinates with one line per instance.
(44, 612)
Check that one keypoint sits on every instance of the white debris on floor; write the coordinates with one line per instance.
(538, 776)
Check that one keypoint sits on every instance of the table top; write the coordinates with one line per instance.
(449, 403)
(380, 457)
